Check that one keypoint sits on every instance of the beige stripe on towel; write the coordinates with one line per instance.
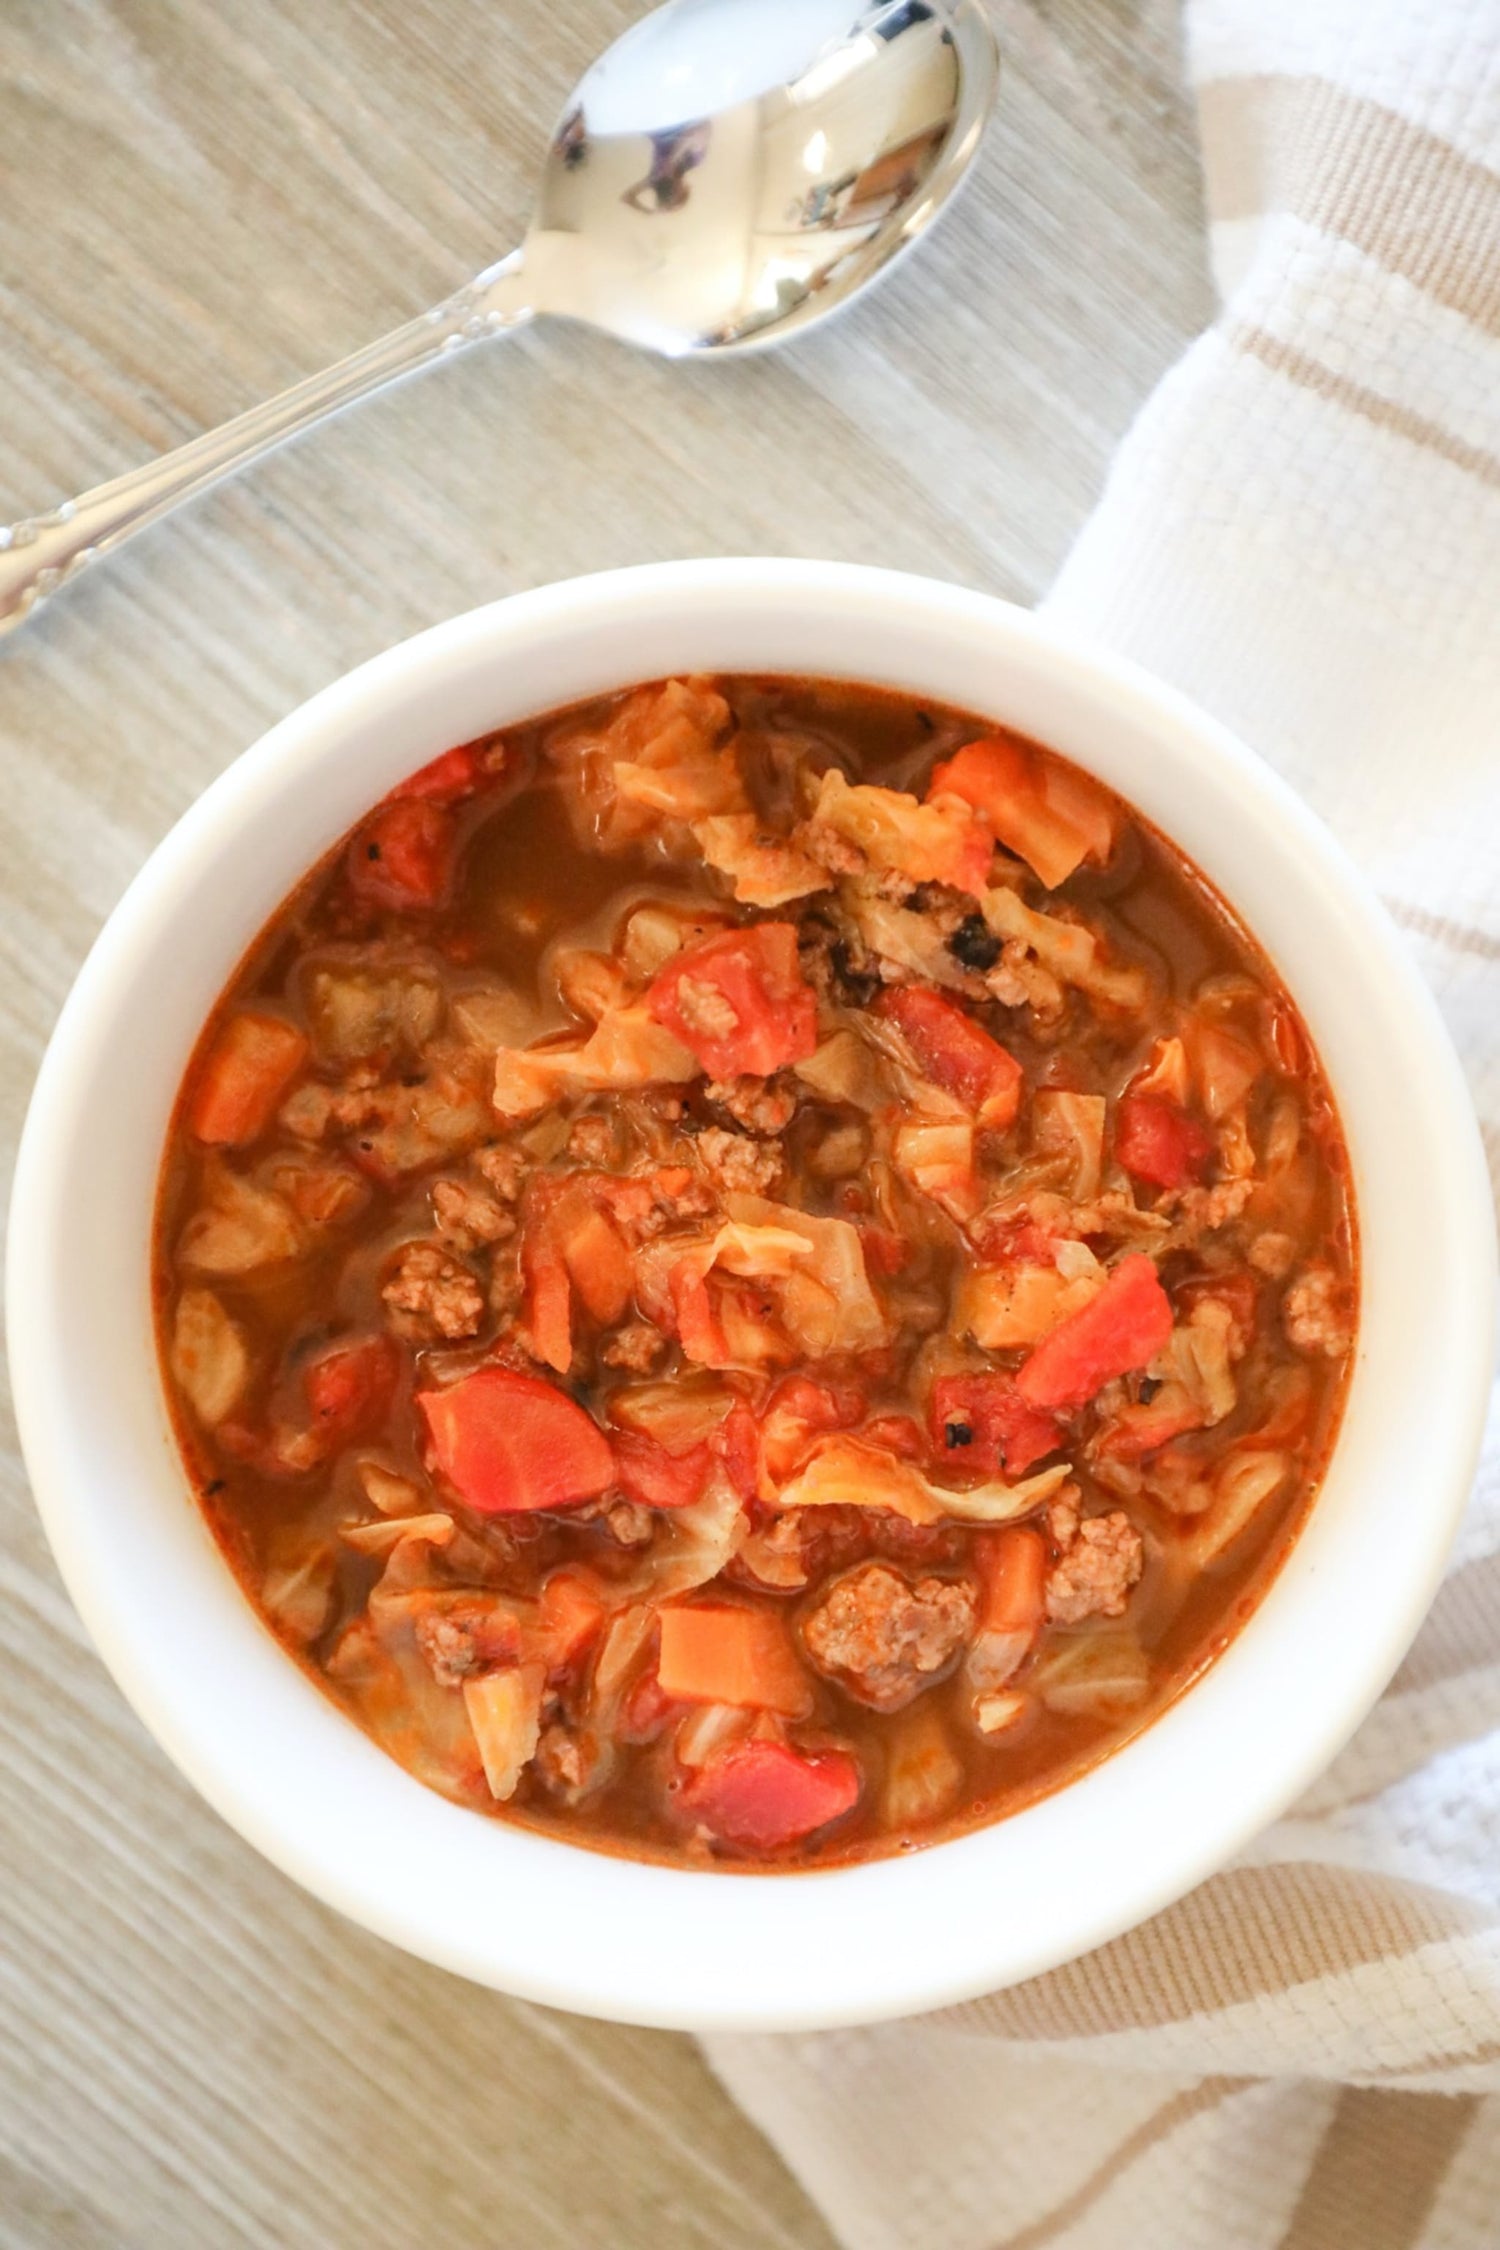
(1193, 2101)
(1247, 1933)
(1381, 2162)
(1311, 374)
(1356, 169)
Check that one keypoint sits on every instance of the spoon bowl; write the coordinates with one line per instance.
(727, 172)
(731, 170)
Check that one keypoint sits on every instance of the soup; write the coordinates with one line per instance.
(755, 1273)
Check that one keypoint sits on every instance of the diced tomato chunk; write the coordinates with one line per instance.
(886, 1252)
(655, 1478)
(1158, 1142)
(1012, 1241)
(446, 780)
(798, 1411)
(248, 1069)
(982, 1422)
(763, 1796)
(648, 1710)
(823, 1405)
(404, 855)
(956, 1053)
(738, 1001)
(737, 1444)
(897, 1434)
(349, 1386)
(508, 1442)
(1120, 1330)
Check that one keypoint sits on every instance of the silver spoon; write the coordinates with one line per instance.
(728, 172)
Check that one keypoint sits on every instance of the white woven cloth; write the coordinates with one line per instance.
(1303, 531)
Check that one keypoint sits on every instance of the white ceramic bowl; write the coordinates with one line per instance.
(653, 1944)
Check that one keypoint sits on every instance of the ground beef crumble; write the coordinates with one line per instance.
(469, 1218)
(884, 1637)
(593, 1140)
(430, 1296)
(630, 1524)
(1315, 1313)
(737, 1165)
(1102, 1558)
(829, 848)
(761, 1105)
(704, 1009)
(676, 1197)
(637, 1348)
(567, 1762)
(466, 1637)
(502, 1169)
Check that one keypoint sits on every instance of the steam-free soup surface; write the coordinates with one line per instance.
(754, 1273)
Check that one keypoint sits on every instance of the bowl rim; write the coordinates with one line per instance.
(745, 1951)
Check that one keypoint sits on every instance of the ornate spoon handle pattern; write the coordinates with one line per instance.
(42, 553)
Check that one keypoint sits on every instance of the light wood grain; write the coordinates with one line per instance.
(201, 200)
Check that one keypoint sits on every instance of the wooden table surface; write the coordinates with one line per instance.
(200, 201)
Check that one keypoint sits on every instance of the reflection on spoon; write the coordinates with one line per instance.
(673, 156)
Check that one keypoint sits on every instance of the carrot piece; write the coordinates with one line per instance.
(1012, 1579)
(249, 1067)
(549, 1307)
(508, 1442)
(699, 1330)
(598, 1262)
(718, 1653)
(1121, 1329)
(1053, 817)
(568, 1616)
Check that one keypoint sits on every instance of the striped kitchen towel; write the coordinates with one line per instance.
(1302, 530)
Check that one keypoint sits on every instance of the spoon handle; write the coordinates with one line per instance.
(44, 552)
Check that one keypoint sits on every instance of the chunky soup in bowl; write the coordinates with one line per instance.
(755, 1272)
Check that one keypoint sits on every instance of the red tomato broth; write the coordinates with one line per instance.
(531, 890)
